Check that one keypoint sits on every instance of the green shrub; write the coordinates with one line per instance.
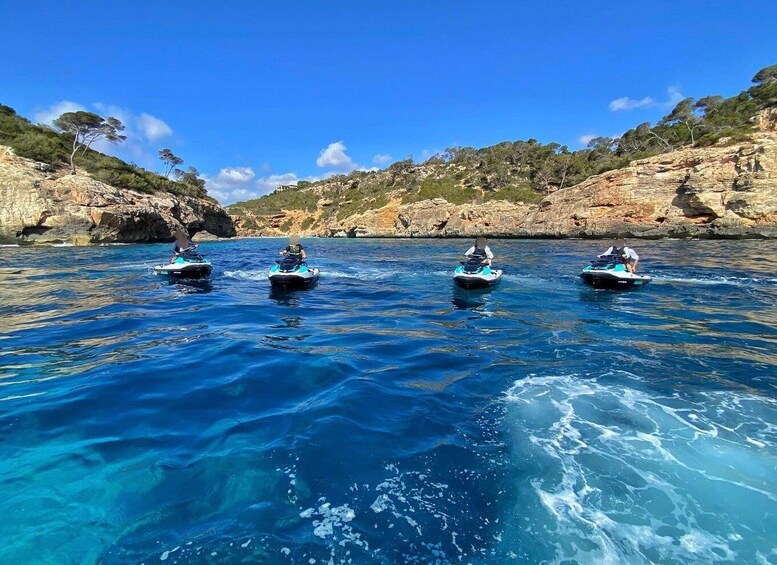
(515, 194)
(442, 188)
(40, 147)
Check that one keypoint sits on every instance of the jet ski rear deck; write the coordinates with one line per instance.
(473, 274)
(607, 273)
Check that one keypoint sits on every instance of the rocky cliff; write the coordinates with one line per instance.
(40, 204)
(727, 190)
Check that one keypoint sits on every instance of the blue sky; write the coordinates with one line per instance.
(255, 93)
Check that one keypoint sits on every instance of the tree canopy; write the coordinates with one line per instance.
(86, 128)
(170, 160)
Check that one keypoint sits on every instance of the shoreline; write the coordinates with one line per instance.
(716, 237)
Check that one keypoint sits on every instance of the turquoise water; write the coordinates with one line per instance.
(385, 416)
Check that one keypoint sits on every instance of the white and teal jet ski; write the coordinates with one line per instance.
(292, 272)
(188, 265)
(473, 274)
(609, 272)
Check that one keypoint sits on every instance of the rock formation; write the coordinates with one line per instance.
(727, 190)
(40, 205)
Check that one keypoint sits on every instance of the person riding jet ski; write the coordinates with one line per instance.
(294, 248)
(185, 262)
(292, 270)
(615, 268)
(620, 250)
(476, 271)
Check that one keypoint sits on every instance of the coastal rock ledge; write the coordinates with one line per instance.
(724, 191)
(40, 205)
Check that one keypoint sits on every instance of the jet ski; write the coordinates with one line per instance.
(610, 272)
(292, 272)
(474, 274)
(188, 265)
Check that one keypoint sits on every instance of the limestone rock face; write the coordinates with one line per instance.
(714, 191)
(719, 191)
(37, 205)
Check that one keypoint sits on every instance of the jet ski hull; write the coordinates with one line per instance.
(292, 280)
(471, 281)
(613, 280)
(185, 270)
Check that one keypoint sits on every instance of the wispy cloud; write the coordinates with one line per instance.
(334, 156)
(137, 126)
(381, 159)
(625, 103)
(675, 96)
(152, 127)
(48, 115)
(234, 184)
(586, 139)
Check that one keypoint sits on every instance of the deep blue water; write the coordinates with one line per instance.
(384, 416)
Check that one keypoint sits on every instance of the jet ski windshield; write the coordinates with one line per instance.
(473, 265)
(605, 262)
(190, 255)
(289, 262)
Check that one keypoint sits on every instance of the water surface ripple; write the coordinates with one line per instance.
(384, 416)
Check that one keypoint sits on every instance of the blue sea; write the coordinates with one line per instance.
(385, 416)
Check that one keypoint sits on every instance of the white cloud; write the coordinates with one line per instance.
(625, 103)
(137, 126)
(266, 185)
(56, 110)
(334, 156)
(234, 184)
(381, 158)
(231, 184)
(675, 96)
(231, 175)
(585, 139)
(153, 128)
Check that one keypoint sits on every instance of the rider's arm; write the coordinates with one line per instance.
(608, 252)
(489, 254)
(470, 251)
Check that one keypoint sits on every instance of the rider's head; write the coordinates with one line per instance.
(294, 239)
(620, 242)
(480, 243)
(181, 237)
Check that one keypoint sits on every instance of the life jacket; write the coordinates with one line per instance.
(479, 252)
(295, 249)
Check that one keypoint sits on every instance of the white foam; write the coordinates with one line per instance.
(166, 554)
(632, 472)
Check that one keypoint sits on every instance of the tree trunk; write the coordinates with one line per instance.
(73, 155)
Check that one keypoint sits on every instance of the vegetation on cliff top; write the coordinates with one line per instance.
(519, 171)
(46, 145)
